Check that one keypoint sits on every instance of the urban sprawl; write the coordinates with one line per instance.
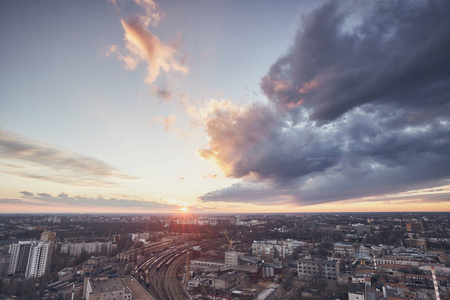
(359, 256)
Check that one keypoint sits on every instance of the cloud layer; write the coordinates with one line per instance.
(64, 199)
(44, 162)
(359, 106)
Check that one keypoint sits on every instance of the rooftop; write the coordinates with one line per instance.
(100, 285)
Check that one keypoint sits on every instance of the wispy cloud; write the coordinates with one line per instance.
(141, 45)
(63, 199)
(151, 14)
(169, 124)
(210, 176)
(23, 202)
(169, 121)
(163, 93)
(45, 162)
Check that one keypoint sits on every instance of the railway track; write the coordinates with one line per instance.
(159, 271)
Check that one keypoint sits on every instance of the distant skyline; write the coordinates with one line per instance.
(140, 106)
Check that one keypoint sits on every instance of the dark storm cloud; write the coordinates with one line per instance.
(55, 165)
(398, 54)
(359, 106)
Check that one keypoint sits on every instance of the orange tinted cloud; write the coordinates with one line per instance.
(142, 45)
(151, 15)
(169, 121)
(210, 176)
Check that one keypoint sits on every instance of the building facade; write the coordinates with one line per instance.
(30, 258)
(39, 259)
(312, 269)
(344, 248)
(232, 258)
(102, 248)
(274, 248)
(18, 262)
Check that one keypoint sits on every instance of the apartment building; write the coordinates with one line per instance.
(312, 269)
(30, 258)
(39, 259)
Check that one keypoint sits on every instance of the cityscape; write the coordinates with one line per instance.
(224, 150)
(272, 256)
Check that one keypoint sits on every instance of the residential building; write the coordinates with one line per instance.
(102, 248)
(312, 269)
(104, 288)
(140, 236)
(232, 258)
(48, 236)
(4, 261)
(39, 259)
(30, 258)
(274, 248)
(227, 281)
(18, 262)
(415, 227)
(344, 248)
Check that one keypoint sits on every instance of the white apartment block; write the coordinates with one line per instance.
(39, 259)
(140, 236)
(274, 248)
(18, 260)
(75, 249)
(396, 260)
(30, 258)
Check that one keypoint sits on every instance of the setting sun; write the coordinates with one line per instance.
(184, 209)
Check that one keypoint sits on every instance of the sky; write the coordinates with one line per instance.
(140, 106)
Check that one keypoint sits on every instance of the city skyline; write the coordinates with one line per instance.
(142, 106)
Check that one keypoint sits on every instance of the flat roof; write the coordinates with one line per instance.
(108, 285)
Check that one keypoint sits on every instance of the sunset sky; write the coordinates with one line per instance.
(224, 106)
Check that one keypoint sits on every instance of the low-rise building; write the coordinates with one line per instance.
(275, 248)
(414, 227)
(227, 281)
(312, 269)
(267, 294)
(118, 288)
(102, 248)
(344, 248)
(232, 258)
(207, 264)
(106, 288)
